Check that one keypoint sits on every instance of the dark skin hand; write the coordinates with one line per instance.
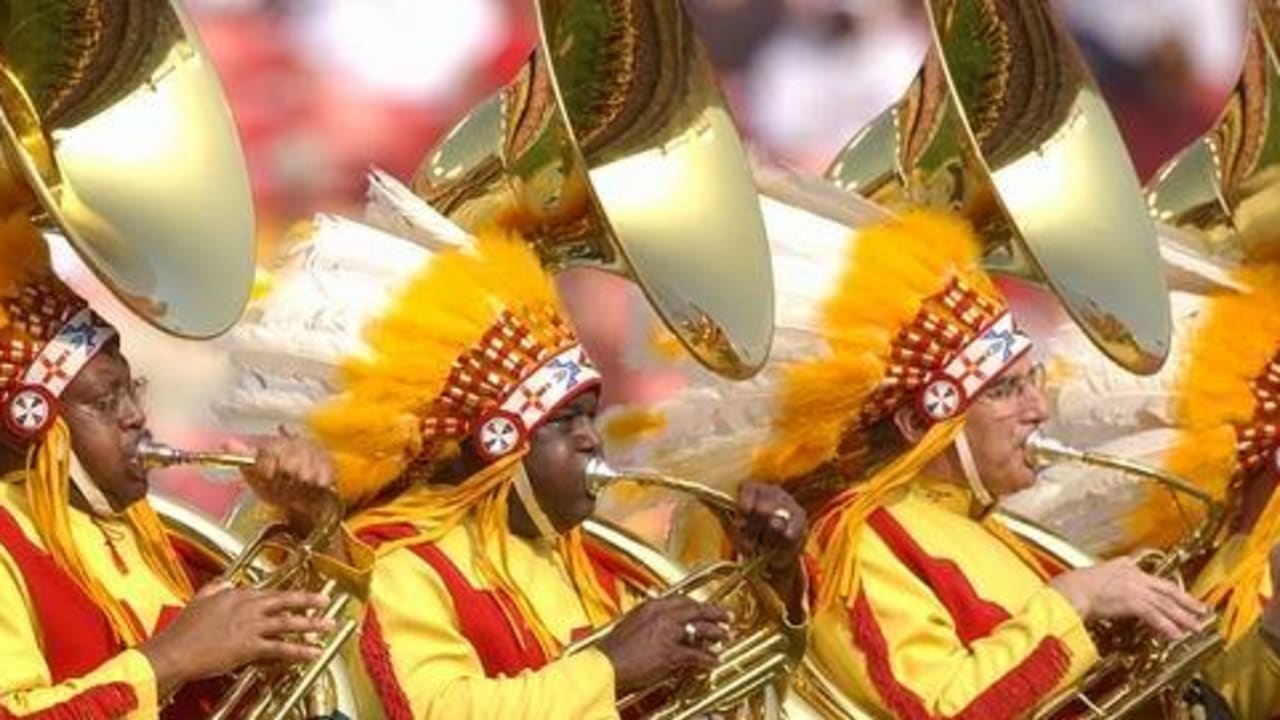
(224, 628)
(230, 627)
(650, 643)
(292, 474)
(771, 522)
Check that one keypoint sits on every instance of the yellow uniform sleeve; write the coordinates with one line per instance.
(896, 647)
(439, 673)
(123, 687)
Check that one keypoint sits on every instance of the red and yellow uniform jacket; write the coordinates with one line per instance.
(949, 621)
(59, 657)
(439, 643)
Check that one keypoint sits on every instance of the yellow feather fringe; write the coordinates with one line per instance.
(1236, 337)
(373, 428)
(892, 269)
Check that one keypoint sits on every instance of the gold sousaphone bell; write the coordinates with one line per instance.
(116, 136)
(1222, 193)
(1005, 125)
(613, 149)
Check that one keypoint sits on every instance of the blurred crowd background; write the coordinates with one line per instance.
(323, 89)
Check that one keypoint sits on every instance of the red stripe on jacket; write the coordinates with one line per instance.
(76, 637)
(60, 602)
(1014, 694)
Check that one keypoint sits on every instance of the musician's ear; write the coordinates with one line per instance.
(909, 424)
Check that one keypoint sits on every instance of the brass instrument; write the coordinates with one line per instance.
(614, 149)
(754, 666)
(115, 135)
(1005, 125)
(1220, 196)
(1138, 670)
(277, 560)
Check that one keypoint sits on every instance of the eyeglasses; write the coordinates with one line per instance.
(111, 403)
(1010, 387)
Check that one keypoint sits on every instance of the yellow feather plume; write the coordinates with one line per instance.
(374, 427)
(892, 269)
(1237, 336)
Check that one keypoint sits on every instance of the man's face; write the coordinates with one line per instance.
(558, 453)
(999, 420)
(101, 409)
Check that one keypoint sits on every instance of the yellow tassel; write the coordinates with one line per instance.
(834, 540)
(48, 484)
(481, 500)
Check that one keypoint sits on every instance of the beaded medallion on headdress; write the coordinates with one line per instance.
(47, 335)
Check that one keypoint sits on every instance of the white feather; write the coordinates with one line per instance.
(1096, 399)
(714, 427)
(286, 351)
(393, 207)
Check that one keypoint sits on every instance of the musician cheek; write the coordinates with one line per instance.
(558, 452)
(106, 423)
(997, 428)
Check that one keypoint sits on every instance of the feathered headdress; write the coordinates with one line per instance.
(395, 352)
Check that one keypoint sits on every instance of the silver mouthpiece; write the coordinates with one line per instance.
(1042, 451)
(598, 475)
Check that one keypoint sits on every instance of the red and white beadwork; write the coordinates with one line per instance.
(552, 384)
(949, 392)
(30, 405)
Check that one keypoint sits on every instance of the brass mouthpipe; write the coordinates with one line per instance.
(599, 475)
(1042, 451)
(156, 455)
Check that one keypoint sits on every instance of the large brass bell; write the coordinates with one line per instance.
(116, 135)
(1005, 125)
(1223, 191)
(613, 149)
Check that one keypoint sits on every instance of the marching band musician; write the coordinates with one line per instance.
(928, 606)
(460, 422)
(98, 618)
(896, 404)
